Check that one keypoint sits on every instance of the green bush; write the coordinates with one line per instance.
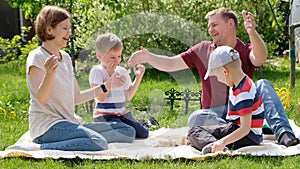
(9, 49)
(14, 49)
(162, 18)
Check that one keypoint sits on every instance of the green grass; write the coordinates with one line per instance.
(218, 162)
(148, 101)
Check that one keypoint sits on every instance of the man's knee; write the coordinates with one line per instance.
(204, 118)
(262, 83)
(193, 118)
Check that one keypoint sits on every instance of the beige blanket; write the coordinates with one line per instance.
(164, 143)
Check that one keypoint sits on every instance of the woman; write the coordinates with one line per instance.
(54, 92)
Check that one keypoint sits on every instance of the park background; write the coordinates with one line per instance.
(163, 26)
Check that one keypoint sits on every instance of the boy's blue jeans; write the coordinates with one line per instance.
(275, 114)
(140, 130)
(95, 136)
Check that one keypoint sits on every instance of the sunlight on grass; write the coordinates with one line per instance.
(149, 101)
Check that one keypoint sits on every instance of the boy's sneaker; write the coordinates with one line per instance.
(207, 149)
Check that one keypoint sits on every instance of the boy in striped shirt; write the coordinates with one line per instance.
(245, 115)
(110, 106)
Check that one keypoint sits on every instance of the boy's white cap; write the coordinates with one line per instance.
(219, 57)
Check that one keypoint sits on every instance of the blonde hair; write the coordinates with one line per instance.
(107, 42)
(49, 16)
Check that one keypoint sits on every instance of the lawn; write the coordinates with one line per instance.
(148, 101)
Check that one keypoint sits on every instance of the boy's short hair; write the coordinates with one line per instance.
(221, 56)
(226, 14)
(49, 16)
(107, 42)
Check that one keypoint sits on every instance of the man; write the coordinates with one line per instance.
(222, 27)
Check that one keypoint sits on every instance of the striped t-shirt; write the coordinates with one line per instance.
(244, 99)
(114, 103)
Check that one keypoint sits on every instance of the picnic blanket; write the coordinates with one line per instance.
(164, 143)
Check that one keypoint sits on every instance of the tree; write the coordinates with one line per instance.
(170, 18)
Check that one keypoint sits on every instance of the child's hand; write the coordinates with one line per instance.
(117, 80)
(140, 71)
(111, 68)
(217, 146)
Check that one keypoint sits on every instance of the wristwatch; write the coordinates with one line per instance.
(103, 88)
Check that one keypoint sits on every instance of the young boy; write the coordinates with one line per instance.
(245, 115)
(110, 106)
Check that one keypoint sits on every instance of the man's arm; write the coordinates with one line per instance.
(160, 62)
(259, 51)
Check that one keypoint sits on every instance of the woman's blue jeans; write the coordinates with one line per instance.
(275, 114)
(94, 136)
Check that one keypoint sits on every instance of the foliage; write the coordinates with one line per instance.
(31, 8)
(9, 48)
(167, 27)
(27, 47)
(13, 49)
